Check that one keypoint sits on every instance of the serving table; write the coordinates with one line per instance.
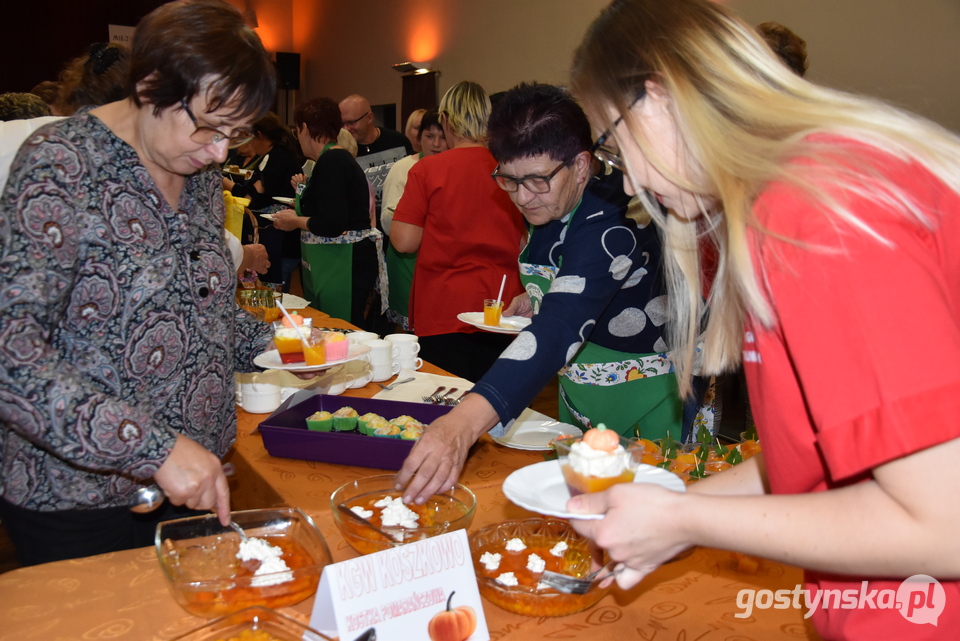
(123, 596)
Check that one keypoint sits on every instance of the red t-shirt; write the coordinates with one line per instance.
(471, 238)
(862, 365)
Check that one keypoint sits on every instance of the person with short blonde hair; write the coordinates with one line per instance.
(465, 108)
(835, 220)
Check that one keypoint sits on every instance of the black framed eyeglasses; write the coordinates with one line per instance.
(209, 136)
(350, 123)
(534, 183)
(605, 153)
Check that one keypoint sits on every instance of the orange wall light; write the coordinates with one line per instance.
(424, 39)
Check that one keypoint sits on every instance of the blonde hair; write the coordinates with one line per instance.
(346, 140)
(467, 108)
(741, 117)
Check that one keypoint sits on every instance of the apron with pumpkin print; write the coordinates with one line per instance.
(625, 392)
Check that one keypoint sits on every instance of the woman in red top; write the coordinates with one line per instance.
(468, 234)
(836, 223)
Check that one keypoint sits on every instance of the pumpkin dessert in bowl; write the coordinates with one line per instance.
(510, 558)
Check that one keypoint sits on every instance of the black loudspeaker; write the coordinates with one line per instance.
(288, 70)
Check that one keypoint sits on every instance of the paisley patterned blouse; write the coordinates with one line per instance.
(118, 326)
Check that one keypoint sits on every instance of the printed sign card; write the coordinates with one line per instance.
(402, 592)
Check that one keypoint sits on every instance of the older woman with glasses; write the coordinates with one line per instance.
(593, 288)
(120, 332)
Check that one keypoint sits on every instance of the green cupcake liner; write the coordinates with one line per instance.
(320, 426)
(344, 423)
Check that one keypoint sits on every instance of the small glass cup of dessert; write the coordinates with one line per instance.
(287, 338)
(597, 460)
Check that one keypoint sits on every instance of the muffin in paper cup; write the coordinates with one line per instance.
(368, 419)
(345, 419)
(388, 431)
(320, 422)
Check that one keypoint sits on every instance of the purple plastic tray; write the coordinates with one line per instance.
(285, 433)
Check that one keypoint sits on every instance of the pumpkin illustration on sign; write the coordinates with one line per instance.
(455, 624)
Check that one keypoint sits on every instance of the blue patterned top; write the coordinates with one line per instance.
(607, 288)
(118, 323)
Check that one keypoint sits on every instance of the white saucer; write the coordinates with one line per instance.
(271, 360)
(285, 200)
(540, 488)
(508, 324)
(536, 434)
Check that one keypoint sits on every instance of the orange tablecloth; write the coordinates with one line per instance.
(123, 596)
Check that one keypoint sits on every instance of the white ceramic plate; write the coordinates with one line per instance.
(285, 200)
(540, 488)
(292, 301)
(271, 360)
(536, 434)
(508, 324)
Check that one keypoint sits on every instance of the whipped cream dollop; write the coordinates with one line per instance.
(507, 578)
(590, 462)
(362, 513)
(515, 545)
(490, 560)
(535, 563)
(559, 548)
(395, 513)
(273, 569)
(293, 332)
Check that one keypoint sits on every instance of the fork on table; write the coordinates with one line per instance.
(573, 585)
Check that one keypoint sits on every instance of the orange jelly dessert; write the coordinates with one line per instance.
(287, 338)
(510, 576)
(595, 462)
(242, 591)
(439, 510)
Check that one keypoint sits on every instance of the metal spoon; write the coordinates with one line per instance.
(395, 383)
(356, 517)
(150, 497)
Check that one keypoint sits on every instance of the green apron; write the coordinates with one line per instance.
(601, 385)
(400, 274)
(327, 274)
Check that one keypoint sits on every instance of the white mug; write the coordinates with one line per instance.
(384, 371)
(381, 352)
(341, 382)
(411, 363)
(362, 376)
(356, 338)
(259, 398)
(407, 344)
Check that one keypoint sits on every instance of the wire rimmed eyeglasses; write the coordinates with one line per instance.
(604, 152)
(350, 123)
(203, 135)
(534, 183)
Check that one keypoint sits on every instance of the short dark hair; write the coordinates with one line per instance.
(181, 44)
(535, 119)
(321, 116)
(22, 106)
(430, 119)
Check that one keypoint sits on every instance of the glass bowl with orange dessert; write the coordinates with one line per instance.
(212, 572)
(595, 461)
(509, 558)
(375, 499)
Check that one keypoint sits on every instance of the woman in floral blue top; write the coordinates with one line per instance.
(593, 289)
(119, 332)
